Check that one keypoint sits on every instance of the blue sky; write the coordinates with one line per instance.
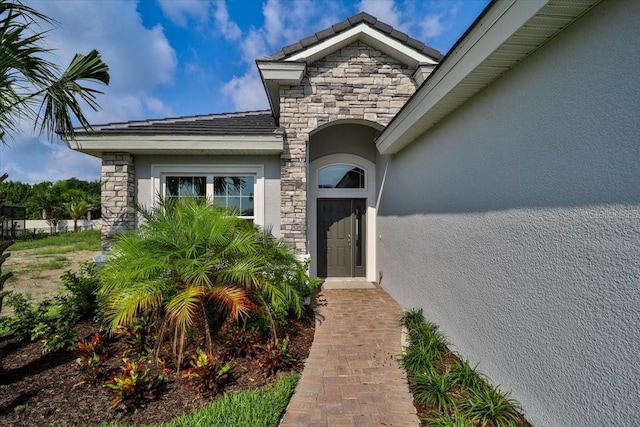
(183, 57)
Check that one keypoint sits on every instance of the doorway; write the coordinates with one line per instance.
(341, 237)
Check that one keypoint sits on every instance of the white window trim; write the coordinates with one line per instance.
(160, 172)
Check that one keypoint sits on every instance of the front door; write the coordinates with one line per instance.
(341, 231)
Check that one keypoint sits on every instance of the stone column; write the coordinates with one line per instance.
(293, 177)
(117, 195)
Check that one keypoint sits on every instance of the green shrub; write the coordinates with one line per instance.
(411, 319)
(25, 318)
(489, 404)
(431, 388)
(418, 359)
(58, 331)
(453, 420)
(465, 376)
(84, 287)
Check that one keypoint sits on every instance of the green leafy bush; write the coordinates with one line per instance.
(25, 317)
(83, 287)
(191, 258)
(58, 330)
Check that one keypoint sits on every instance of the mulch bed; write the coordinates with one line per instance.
(38, 390)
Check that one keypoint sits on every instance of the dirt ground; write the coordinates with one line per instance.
(38, 275)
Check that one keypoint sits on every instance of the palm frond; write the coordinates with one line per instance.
(61, 96)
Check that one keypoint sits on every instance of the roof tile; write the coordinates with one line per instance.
(385, 28)
(292, 48)
(341, 26)
(311, 40)
(244, 123)
(351, 22)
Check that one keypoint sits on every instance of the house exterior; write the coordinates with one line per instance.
(498, 187)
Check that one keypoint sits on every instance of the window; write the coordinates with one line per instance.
(341, 176)
(235, 192)
(239, 186)
(186, 186)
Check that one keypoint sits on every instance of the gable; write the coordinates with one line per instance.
(289, 66)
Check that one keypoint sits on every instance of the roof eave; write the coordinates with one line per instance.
(478, 59)
(96, 145)
(279, 73)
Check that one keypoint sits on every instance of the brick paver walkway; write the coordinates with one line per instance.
(352, 376)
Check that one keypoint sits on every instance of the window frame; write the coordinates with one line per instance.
(352, 166)
(159, 173)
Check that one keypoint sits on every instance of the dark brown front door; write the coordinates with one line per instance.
(341, 231)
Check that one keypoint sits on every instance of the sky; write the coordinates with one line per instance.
(170, 58)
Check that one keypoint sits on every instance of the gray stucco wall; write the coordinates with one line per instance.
(271, 175)
(515, 224)
(344, 138)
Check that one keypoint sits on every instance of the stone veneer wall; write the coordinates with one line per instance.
(117, 195)
(356, 82)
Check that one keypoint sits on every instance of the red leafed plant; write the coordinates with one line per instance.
(276, 356)
(134, 385)
(90, 362)
(206, 373)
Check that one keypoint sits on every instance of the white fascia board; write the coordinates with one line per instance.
(422, 72)
(362, 32)
(496, 27)
(284, 73)
(172, 143)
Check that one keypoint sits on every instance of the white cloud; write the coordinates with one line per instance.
(285, 22)
(140, 59)
(432, 26)
(179, 12)
(224, 25)
(385, 10)
(32, 160)
(246, 92)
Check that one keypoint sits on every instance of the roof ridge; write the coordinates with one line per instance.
(353, 21)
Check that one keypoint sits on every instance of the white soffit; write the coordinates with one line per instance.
(509, 32)
(180, 144)
(366, 34)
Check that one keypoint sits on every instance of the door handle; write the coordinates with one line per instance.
(349, 239)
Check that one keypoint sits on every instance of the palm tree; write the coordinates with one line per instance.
(75, 209)
(32, 86)
(188, 258)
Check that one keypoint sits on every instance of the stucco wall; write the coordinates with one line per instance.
(515, 224)
(271, 176)
(344, 138)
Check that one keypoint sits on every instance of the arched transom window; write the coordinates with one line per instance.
(341, 176)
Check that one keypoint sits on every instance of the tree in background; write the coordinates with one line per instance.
(49, 196)
(34, 87)
(76, 209)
